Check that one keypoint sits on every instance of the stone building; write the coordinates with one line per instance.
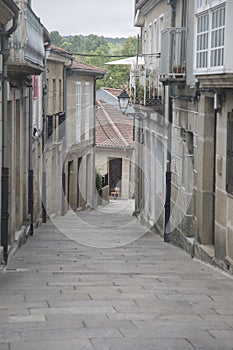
(80, 134)
(195, 82)
(114, 147)
(151, 17)
(55, 110)
(23, 54)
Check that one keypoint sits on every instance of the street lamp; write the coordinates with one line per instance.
(123, 100)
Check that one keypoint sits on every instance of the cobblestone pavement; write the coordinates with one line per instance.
(78, 288)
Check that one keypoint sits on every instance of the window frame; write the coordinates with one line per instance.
(208, 10)
(78, 110)
(87, 109)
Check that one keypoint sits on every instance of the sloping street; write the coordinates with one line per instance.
(96, 280)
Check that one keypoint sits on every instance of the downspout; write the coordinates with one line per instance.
(216, 111)
(94, 146)
(5, 35)
(167, 206)
(63, 199)
(30, 167)
(44, 137)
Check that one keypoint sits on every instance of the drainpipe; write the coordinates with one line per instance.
(216, 111)
(167, 205)
(168, 175)
(5, 35)
(30, 167)
(63, 199)
(94, 146)
(63, 203)
(44, 137)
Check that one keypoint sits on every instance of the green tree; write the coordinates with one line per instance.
(130, 46)
(56, 38)
(100, 50)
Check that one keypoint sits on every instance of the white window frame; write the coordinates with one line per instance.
(155, 38)
(203, 5)
(218, 35)
(87, 109)
(150, 39)
(207, 10)
(78, 110)
(161, 28)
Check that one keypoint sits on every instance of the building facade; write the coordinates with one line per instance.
(54, 131)
(195, 73)
(80, 135)
(114, 148)
(23, 54)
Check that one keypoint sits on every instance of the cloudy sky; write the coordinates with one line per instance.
(113, 18)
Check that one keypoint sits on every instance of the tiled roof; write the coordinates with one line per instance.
(113, 129)
(112, 91)
(59, 49)
(83, 67)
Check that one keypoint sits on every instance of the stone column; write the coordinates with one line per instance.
(205, 172)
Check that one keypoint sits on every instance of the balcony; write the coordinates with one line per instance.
(27, 46)
(173, 56)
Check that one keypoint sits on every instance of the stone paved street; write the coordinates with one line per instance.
(100, 282)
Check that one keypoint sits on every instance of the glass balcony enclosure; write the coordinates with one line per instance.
(27, 44)
(173, 53)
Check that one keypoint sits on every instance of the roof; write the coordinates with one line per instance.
(113, 129)
(86, 68)
(113, 91)
(9, 10)
(110, 96)
(59, 49)
(60, 52)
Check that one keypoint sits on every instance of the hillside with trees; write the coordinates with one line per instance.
(97, 50)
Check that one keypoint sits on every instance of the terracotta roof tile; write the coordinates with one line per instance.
(113, 129)
(81, 66)
(114, 92)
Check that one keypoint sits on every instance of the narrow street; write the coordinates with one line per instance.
(96, 280)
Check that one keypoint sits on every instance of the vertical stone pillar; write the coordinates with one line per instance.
(205, 172)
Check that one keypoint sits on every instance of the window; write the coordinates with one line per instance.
(54, 95)
(150, 38)
(217, 37)
(161, 26)
(60, 95)
(87, 109)
(202, 3)
(49, 127)
(155, 37)
(202, 41)
(78, 111)
(229, 170)
(210, 38)
(61, 121)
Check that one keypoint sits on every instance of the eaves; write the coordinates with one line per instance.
(147, 5)
(114, 148)
(8, 10)
(86, 72)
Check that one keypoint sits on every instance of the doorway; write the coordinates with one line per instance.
(115, 175)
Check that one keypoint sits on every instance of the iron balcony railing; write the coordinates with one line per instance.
(173, 53)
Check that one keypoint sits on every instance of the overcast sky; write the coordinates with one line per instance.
(113, 18)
